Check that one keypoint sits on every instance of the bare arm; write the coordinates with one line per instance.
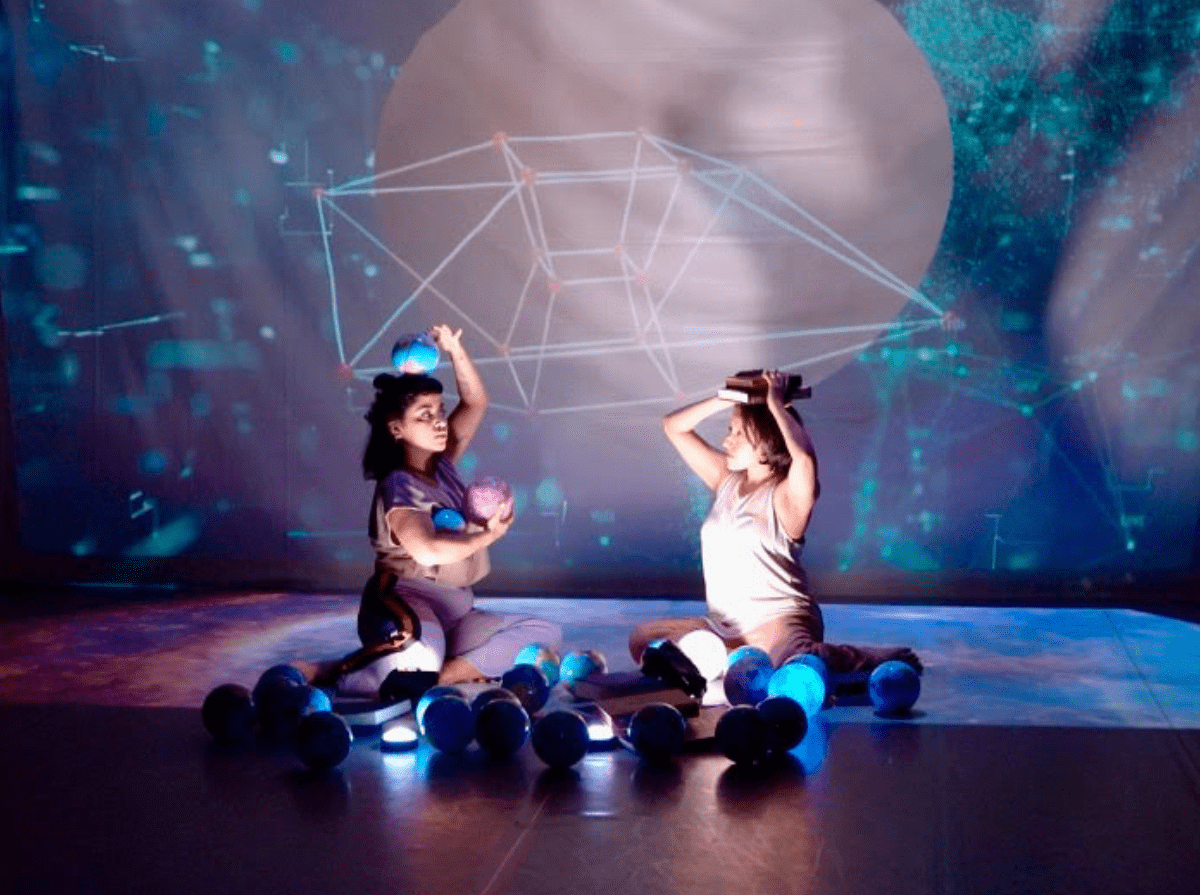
(466, 418)
(413, 530)
(797, 494)
(703, 459)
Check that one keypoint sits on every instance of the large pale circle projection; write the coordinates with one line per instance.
(623, 202)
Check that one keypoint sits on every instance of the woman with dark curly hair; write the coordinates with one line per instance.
(418, 610)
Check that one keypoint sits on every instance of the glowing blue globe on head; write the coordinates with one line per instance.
(894, 687)
(802, 683)
(416, 353)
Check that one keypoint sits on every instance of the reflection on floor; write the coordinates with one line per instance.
(1054, 750)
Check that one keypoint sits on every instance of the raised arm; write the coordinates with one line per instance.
(465, 419)
(797, 494)
(703, 459)
(413, 530)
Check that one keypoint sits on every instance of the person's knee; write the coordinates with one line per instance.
(639, 639)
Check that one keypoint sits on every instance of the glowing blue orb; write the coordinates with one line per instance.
(816, 662)
(416, 353)
(802, 683)
(448, 519)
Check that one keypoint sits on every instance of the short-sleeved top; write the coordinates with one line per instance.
(752, 570)
(403, 488)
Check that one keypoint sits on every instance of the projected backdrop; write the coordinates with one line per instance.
(971, 226)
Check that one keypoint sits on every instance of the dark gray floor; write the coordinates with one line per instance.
(1054, 751)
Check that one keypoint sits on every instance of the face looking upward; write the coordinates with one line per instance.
(423, 426)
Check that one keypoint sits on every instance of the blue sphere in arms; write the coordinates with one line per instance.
(800, 682)
(416, 353)
(543, 657)
(747, 679)
(448, 519)
(323, 740)
(449, 723)
(894, 687)
(560, 738)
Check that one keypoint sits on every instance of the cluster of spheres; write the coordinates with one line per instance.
(770, 709)
(282, 708)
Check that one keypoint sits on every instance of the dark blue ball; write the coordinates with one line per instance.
(229, 714)
(786, 721)
(277, 674)
(501, 727)
(747, 678)
(429, 696)
(492, 695)
(281, 704)
(529, 684)
(560, 738)
(657, 732)
(894, 687)
(323, 740)
(449, 723)
(743, 735)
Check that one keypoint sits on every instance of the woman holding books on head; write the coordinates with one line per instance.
(765, 485)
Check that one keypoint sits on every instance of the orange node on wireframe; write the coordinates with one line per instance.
(499, 139)
(345, 373)
(529, 175)
(318, 192)
(553, 285)
(503, 349)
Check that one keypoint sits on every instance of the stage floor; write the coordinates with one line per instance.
(1053, 750)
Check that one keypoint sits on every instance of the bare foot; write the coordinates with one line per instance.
(459, 671)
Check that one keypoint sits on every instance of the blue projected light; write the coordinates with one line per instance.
(987, 309)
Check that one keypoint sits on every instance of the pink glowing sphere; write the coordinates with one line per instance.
(487, 496)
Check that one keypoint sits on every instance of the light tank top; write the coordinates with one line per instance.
(752, 570)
